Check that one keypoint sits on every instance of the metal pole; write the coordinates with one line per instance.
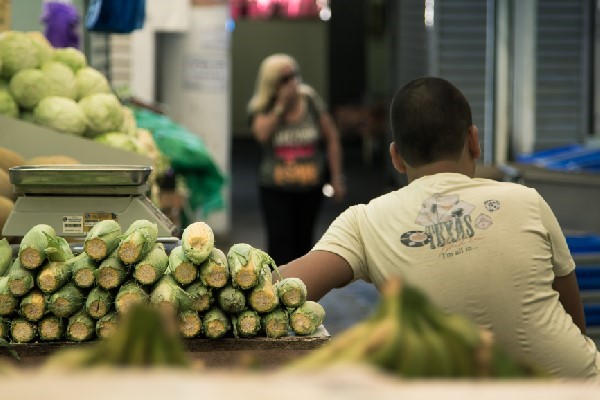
(490, 80)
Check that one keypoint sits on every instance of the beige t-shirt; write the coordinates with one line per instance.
(483, 248)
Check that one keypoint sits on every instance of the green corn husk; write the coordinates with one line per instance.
(8, 301)
(111, 272)
(231, 300)
(53, 275)
(107, 325)
(291, 292)
(23, 331)
(33, 305)
(51, 328)
(58, 249)
(168, 296)
(20, 280)
(153, 266)
(183, 270)
(5, 256)
(4, 328)
(305, 319)
(98, 302)
(263, 297)
(81, 327)
(102, 239)
(214, 271)
(197, 240)
(137, 241)
(276, 324)
(129, 295)
(202, 297)
(246, 265)
(190, 324)
(32, 250)
(216, 324)
(66, 301)
(83, 270)
(246, 324)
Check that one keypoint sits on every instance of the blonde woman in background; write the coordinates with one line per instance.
(301, 152)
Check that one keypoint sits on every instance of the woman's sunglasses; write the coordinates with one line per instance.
(287, 77)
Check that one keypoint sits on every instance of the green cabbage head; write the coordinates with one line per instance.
(8, 105)
(60, 113)
(70, 56)
(103, 113)
(61, 79)
(17, 52)
(120, 140)
(28, 86)
(90, 81)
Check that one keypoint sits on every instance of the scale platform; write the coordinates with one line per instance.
(73, 198)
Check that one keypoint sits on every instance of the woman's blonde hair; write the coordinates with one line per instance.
(267, 80)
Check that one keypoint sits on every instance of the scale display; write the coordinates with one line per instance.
(73, 198)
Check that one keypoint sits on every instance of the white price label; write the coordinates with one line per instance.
(73, 224)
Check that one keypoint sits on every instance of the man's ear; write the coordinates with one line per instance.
(397, 161)
(473, 141)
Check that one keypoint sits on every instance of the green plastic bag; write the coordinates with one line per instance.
(189, 158)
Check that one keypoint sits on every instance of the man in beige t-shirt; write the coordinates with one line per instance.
(490, 250)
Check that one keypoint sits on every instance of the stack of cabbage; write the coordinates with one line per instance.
(55, 87)
(47, 293)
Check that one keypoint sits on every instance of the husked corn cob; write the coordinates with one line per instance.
(20, 280)
(51, 328)
(305, 319)
(231, 300)
(8, 301)
(153, 266)
(246, 265)
(111, 272)
(32, 249)
(263, 297)
(107, 325)
(216, 324)
(98, 302)
(66, 301)
(5, 256)
(202, 297)
(102, 239)
(276, 323)
(246, 324)
(183, 270)
(190, 324)
(81, 327)
(168, 296)
(197, 240)
(291, 292)
(23, 331)
(214, 271)
(53, 275)
(130, 294)
(137, 241)
(33, 305)
(83, 270)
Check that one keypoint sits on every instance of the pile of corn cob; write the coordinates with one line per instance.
(48, 293)
(409, 337)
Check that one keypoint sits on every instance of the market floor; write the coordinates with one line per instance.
(367, 178)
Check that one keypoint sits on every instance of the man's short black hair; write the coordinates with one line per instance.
(430, 119)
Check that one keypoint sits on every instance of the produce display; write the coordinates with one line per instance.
(47, 293)
(409, 337)
(56, 88)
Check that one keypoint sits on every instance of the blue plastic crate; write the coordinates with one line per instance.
(592, 314)
(574, 157)
(584, 243)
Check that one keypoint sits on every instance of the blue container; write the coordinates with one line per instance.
(575, 158)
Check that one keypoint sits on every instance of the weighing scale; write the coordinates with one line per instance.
(73, 198)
